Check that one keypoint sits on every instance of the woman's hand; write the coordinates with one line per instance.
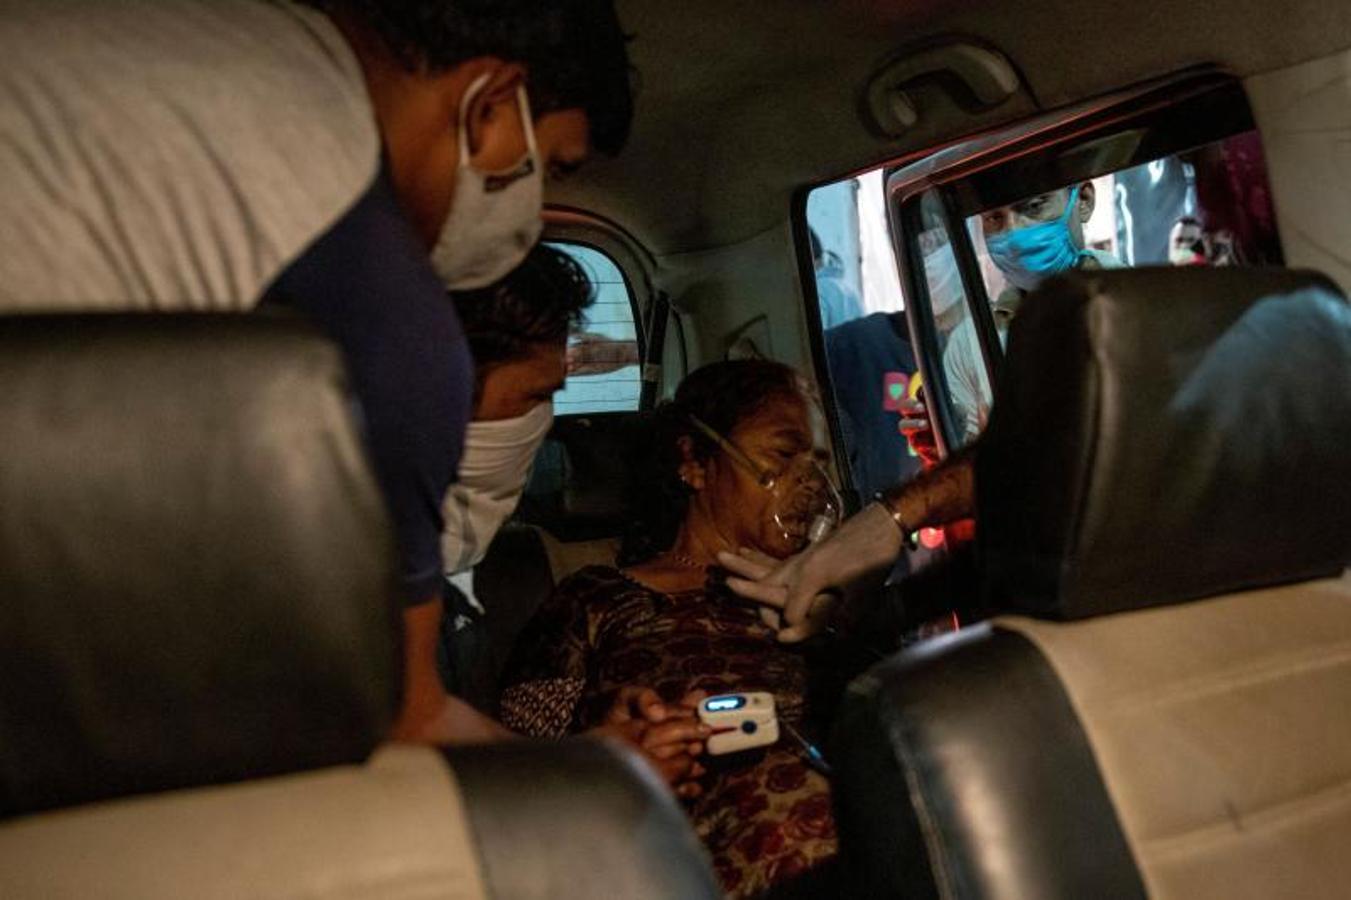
(803, 587)
(671, 738)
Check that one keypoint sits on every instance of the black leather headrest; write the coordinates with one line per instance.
(579, 489)
(1167, 434)
(198, 577)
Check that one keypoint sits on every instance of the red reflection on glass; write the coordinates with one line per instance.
(931, 538)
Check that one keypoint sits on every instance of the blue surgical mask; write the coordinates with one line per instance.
(1029, 255)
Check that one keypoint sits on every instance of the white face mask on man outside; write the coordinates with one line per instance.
(494, 217)
(493, 473)
(947, 298)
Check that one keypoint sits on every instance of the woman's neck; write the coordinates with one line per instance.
(699, 539)
(685, 566)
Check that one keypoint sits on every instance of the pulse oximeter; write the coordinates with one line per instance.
(739, 721)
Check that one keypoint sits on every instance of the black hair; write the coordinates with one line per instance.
(575, 51)
(721, 395)
(539, 302)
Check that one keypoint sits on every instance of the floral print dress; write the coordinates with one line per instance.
(765, 814)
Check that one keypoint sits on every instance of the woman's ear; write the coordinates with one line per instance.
(1088, 198)
(691, 470)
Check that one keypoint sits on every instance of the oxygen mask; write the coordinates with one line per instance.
(803, 503)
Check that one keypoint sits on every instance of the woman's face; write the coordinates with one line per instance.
(786, 433)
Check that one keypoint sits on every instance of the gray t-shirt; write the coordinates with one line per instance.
(171, 154)
(178, 155)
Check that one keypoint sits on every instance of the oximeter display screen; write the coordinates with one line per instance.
(722, 704)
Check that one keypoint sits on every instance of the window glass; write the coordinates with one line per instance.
(1210, 205)
(603, 356)
(852, 255)
(870, 363)
(954, 325)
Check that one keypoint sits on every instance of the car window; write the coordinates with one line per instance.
(865, 355)
(956, 329)
(852, 260)
(1171, 183)
(604, 353)
(1209, 206)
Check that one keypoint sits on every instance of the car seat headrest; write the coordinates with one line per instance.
(1167, 434)
(579, 488)
(199, 577)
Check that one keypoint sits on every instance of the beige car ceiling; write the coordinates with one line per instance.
(743, 101)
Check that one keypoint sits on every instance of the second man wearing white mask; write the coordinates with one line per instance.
(518, 330)
(518, 333)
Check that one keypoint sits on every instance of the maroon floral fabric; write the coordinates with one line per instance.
(765, 815)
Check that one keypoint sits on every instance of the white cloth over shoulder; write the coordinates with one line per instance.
(171, 154)
(968, 385)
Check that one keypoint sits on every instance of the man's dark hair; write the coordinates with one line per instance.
(540, 302)
(574, 50)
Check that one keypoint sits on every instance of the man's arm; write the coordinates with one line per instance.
(937, 496)
(368, 285)
(429, 714)
(597, 354)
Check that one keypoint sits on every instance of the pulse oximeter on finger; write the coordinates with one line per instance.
(739, 722)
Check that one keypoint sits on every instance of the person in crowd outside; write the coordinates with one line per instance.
(1187, 244)
(1028, 241)
(838, 301)
(871, 367)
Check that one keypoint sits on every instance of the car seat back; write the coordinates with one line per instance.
(200, 649)
(1157, 707)
(198, 566)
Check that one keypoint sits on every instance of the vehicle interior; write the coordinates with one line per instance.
(1139, 687)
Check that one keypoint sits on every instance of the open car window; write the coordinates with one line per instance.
(956, 330)
(864, 354)
(1158, 180)
(1210, 205)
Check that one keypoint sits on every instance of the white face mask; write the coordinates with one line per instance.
(493, 473)
(494, 217)
(945, 286)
